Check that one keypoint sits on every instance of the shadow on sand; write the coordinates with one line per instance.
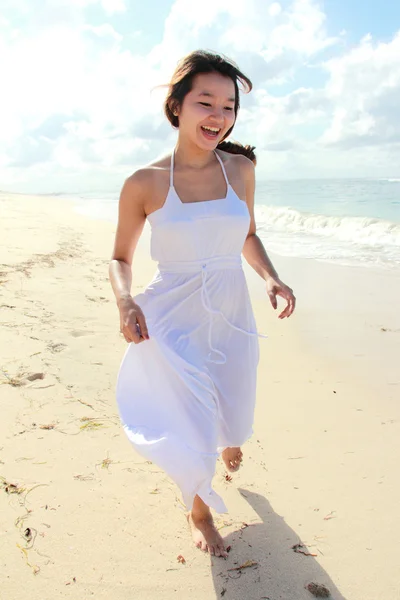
(281, 573)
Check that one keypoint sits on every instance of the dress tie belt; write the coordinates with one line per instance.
(206, 266)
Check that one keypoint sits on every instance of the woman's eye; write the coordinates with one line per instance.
(208, 104)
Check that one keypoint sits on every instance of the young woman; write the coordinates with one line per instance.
(187, 384)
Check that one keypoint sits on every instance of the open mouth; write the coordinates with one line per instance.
(210, 133)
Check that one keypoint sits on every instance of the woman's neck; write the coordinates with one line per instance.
(188, 155)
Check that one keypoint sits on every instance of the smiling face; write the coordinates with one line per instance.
(208, 110)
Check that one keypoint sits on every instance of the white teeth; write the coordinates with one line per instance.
(212, 129)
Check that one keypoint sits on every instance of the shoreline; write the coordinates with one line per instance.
(321, 466)
(294, 234)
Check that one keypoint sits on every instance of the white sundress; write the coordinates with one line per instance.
(189, 392)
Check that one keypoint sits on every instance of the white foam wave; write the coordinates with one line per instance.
(346, 240)
(361, 230)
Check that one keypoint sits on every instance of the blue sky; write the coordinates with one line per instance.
(357, 17)
(80, 113)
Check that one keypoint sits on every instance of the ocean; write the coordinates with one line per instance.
(350, 222)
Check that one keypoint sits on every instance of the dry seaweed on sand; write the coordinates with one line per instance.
(17, 380)
(106, 462)
(90, 423)
(11, 488)
(34, 568)
(48, 426)
(301, 549)
(21, 378)
(95, 422)
(84, 403)
(84, 477)
(330, 516)
(318, 590)
(246, 565)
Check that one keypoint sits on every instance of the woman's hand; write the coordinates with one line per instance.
(275, 287)
(132, 322)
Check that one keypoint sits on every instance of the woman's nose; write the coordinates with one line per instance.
(217, 114)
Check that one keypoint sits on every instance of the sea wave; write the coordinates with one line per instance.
(348, 240)
(357, 241)
(361, 230)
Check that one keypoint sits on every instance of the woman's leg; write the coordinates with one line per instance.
(204, 532)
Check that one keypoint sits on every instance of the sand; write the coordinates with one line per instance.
(82, 515)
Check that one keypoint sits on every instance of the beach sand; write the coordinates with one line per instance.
(82, 515)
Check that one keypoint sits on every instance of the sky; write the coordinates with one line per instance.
(81, 102)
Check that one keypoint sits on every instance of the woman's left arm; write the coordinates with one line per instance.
(255, 254)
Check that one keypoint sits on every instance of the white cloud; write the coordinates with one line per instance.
(265, 38)
(103, 32)
(275, 9)
(114, 6)
(109, 6)
(364, 86)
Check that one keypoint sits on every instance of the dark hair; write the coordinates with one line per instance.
(193, 64)
(238, 148)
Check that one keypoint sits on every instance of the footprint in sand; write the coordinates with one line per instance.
(80, 333)
(53, 347)
(98, 299)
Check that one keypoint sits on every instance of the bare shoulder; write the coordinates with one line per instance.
(237, 162)
(240, 173)
(146, 187)
(146, 179)
(243, 163)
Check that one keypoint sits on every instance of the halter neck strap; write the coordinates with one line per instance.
(222, 167)
(171, 172)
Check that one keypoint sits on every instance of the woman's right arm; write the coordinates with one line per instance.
(131, 220)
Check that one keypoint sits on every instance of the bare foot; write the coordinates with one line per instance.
(232, 458)
(204, 532)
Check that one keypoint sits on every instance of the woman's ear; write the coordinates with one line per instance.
(173, 108)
